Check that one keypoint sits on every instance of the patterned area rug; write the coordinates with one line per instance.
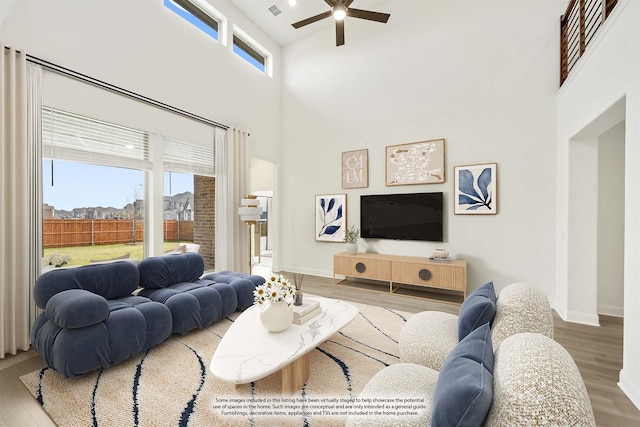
(171, 384)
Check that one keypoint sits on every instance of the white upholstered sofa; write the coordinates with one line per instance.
(506, 372)
(429, 336)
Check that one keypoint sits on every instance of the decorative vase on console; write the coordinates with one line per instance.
(440, 253)
(351, 237)
(275, 297)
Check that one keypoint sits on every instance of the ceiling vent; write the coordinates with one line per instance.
(274, 10)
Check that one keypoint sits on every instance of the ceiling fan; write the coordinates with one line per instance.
(339, 10)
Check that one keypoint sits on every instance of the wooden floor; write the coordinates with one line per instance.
(596, 350)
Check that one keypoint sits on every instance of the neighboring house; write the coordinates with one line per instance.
(108, 213)
(47, 211)
(135, 209)
(178, 206)
(84, 213)
(62, 214)
(94, 213)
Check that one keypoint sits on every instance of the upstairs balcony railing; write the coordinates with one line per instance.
(578, 25)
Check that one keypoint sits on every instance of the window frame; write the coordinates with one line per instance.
(201, 15)
(253, 50)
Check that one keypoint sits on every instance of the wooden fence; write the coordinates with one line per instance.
(59, 233)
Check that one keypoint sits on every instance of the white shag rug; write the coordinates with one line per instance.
(171, 384)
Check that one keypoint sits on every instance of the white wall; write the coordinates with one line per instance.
(144, 47)
(605, 81)
(5, 5)
(482, 75)
(611, 222)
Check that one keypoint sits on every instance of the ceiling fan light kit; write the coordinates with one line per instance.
(339, 10)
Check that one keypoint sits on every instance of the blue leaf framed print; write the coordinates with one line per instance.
(331, 217)
(476, 189)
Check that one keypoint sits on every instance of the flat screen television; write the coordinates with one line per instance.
(410, 216)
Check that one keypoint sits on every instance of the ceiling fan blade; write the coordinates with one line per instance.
(331, 3)
(339, 33)
(311, 20)
(347, 3)
(369, 15)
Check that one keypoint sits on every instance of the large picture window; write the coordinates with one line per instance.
(96, 205)
(93, 189)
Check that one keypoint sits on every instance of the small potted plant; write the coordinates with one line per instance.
(351, 237)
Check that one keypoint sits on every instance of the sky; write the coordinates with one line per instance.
(78, 185)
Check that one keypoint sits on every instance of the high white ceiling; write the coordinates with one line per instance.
(279, 27)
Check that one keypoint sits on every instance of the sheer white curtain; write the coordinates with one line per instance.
(34, 184)
(16, 221)
(232, 184)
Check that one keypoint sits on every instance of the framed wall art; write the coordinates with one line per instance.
(331, 217)
(476, 189)
(355, 169)
(415, 163)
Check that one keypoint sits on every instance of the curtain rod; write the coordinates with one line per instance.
(85, 78)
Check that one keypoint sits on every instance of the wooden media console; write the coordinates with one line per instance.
(444, 281)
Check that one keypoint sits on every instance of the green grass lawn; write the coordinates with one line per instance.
(82, 255)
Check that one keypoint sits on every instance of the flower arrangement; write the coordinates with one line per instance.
(56, 259)
(276, 288)
(351, 234)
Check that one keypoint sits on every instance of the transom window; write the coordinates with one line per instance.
(199, 13)
(251, 51)
(208, 20)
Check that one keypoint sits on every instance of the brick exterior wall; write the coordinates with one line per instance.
(204, 201)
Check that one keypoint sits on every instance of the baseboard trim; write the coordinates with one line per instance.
(309, 271)
(629, 388)
(583, 318)
(561, 313)
(610, 310)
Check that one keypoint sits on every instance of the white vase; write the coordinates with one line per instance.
(276, 316)
(352, 248)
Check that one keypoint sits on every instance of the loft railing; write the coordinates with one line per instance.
(578, 25)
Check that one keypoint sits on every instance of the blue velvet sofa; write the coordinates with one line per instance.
(194, 301)
(92, 320)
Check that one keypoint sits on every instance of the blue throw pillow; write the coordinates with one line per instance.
(479, 308)
(464, 390)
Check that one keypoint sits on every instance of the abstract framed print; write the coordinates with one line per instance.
(331, 217)
(415, 163)
(476, 189)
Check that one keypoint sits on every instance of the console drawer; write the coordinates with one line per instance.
(354, 266)
(444, 276)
